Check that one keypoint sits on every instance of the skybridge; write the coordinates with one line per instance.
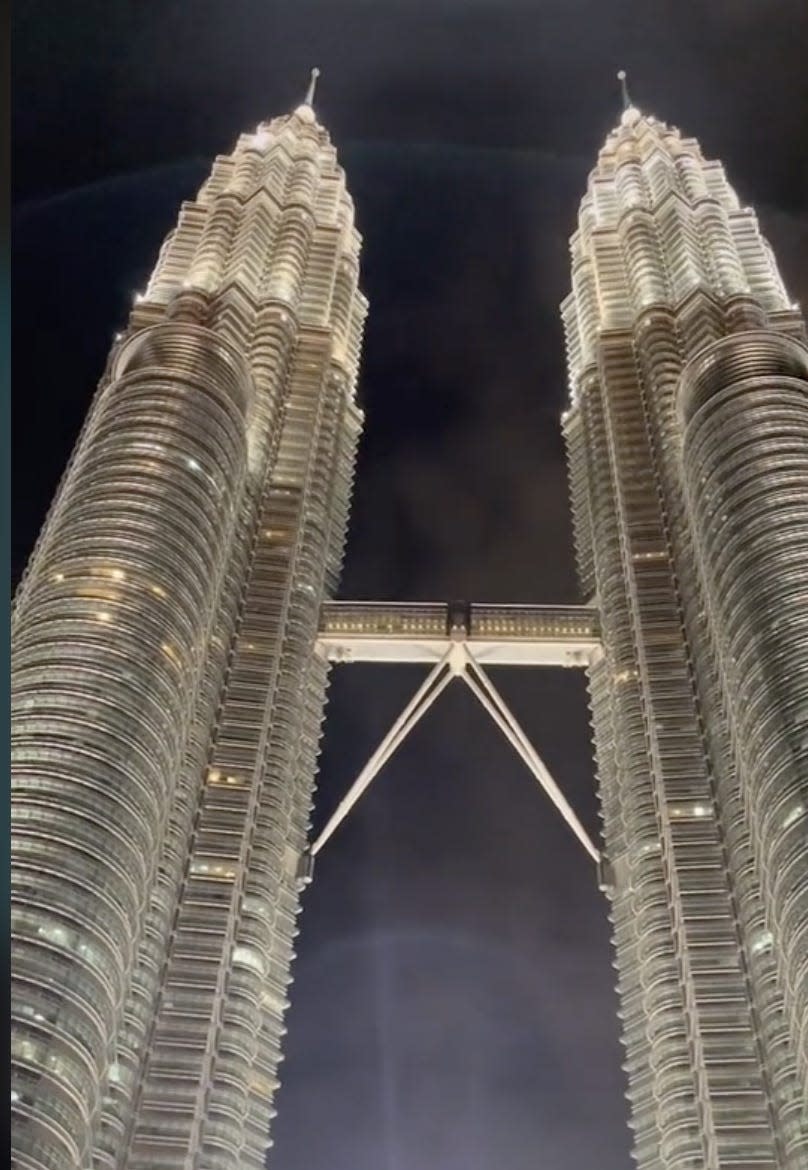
(458, 640)
(496, 635)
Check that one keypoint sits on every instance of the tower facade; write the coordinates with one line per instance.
(687, 434)
(167, 699)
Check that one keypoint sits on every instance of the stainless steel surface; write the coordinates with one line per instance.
(167, 697)
(744, 402)
(665, 263)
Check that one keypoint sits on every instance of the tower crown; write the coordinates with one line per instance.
(659, 223)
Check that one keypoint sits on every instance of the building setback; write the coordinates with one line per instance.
(687, 437)
(167, 702)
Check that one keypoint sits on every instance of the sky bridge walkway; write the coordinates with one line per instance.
(496, 635)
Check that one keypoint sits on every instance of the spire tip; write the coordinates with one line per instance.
(621, 77)
(309, 98)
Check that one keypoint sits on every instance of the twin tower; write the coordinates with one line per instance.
(169, 685)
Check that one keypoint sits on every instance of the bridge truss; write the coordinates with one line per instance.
(457, 641)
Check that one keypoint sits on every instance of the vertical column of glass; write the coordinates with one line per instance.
(660, 811)
(744, 406)
(238, 906)
(109, 645)
(173, 1079)
(290, 759)
(705, 910)
(322, 526)
(135, 1036)
(246, 1045)
(636, 880)
(659, 345)
(176, 1088)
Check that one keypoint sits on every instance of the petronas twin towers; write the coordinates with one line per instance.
(169, 669)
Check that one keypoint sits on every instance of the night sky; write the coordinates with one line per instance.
(453, 1005)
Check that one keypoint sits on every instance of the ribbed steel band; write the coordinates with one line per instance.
(125, 585)
(196, 353)
(746, 469)
(758, 353)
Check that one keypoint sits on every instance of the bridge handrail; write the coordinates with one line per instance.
(357, 617)
(544, 622)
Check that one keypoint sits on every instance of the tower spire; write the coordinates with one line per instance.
(309, 98)
(621, 77)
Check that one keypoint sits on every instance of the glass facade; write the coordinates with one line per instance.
(167, 699)
(686, 435)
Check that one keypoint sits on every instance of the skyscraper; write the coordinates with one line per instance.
(687, 435)
(168, 678)
(166, 698)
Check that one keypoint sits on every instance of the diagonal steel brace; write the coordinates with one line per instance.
(457, 662)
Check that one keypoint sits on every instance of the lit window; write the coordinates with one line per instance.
(249, 957)
(25, 1049)
(98, 594)
(55, 934)
(793, 815)
(170, 653)
(762, 943)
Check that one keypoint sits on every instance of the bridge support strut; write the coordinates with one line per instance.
(457, 662)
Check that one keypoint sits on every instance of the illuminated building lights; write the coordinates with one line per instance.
(151, 817)
(687, 439)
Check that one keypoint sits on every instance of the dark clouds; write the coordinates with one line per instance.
(453, 1004)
